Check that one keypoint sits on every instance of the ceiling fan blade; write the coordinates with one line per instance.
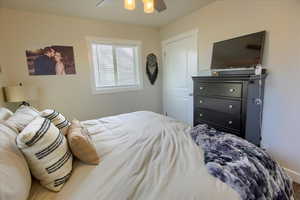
(99, 3)
(160, 5)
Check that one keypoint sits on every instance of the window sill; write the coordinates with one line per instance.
(110, 90)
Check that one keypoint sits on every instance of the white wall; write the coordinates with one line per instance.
(281, 19)
(71, 94)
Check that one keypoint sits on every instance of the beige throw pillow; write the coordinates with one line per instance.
(15, 177)
(81, 144)
(5, 114)
(47, 153)
(21, 118)
(57, 119)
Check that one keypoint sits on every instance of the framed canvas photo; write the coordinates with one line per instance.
(51, 60)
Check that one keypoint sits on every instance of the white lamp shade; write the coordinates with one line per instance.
(20, 93)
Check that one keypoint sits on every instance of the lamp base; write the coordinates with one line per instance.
(24, 103)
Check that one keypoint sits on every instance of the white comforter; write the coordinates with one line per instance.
(145, 156)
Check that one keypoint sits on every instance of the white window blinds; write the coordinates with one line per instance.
(115, 66)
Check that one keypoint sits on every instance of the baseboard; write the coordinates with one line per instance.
(294, 175)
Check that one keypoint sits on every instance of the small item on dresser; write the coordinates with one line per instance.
(22, 117)
(47, 153)
(57, 119)
(81, 144)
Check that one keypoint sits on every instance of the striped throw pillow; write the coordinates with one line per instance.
(47, 153)
(57, 119)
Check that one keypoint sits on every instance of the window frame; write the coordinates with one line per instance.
(115, 43)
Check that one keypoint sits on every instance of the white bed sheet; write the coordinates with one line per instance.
(145, 156)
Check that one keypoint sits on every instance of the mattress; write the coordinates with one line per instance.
(145, 156)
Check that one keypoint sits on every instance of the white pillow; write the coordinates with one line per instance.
(57, 119)
(5, 114)
(47, 153)
(14, 172)
(22, 117)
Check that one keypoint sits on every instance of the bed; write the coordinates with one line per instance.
(143, 157)
(147, 156)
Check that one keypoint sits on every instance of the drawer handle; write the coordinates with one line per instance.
(201, 115)
(201, 88)
(200, 101)
(232, 90)
(230, 122)
(230, 106)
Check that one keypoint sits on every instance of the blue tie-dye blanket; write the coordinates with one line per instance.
(249, 170)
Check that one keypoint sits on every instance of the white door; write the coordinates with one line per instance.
(180, 64)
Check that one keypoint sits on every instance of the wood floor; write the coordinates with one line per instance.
(297, 191)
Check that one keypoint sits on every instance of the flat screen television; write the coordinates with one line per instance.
(241, 52)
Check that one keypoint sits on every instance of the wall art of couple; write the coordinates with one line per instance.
(51, 60)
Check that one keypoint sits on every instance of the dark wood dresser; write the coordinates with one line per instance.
(232, 104)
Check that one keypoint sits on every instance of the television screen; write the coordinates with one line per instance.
(241, 52)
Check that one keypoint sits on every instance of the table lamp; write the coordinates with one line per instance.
(20, 93)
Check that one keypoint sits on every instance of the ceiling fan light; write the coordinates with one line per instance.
(129, 4)
(148, 6)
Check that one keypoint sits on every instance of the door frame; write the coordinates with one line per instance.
(192, 33)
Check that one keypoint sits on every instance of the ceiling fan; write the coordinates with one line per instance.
(149, 5)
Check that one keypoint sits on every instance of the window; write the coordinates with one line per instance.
(116, 65)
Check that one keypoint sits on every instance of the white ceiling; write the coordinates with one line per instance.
(110, 10)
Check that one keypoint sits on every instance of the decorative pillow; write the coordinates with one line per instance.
(81, 144)
(14, 172)
(22, 117)
(47, 153)
(5, 114)
(57, 119)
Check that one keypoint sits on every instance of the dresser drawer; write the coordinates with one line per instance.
(217, 118)
(220, 105)
(218, 89)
